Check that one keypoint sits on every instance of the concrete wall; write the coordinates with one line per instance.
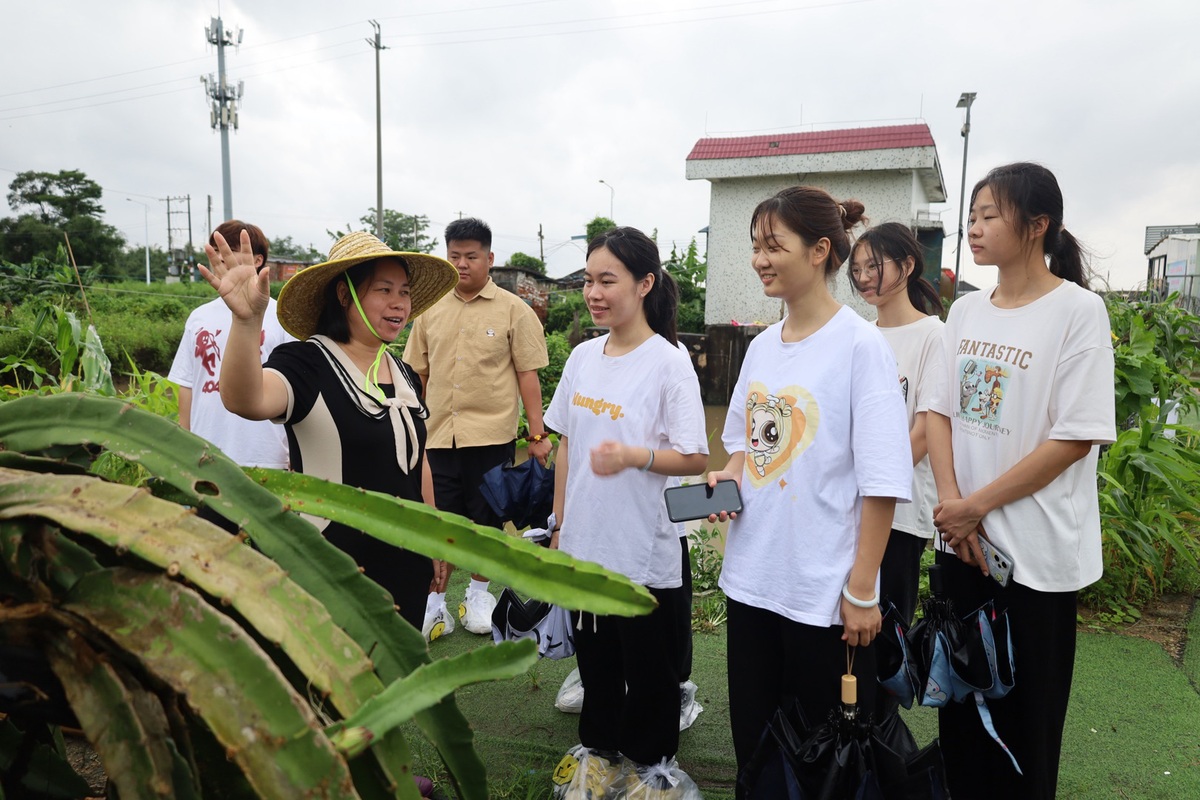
(734, 292)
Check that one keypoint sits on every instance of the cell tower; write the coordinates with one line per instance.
(225, 100)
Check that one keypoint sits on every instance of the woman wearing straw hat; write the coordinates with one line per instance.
(352, 412)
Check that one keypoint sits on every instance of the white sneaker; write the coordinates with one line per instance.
(475, 612)
(438, 622)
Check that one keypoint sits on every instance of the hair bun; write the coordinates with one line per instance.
(852, 213)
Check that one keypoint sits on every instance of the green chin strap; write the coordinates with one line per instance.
(371, 380)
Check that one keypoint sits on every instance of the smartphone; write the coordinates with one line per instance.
(699, 500)
(1000, 563)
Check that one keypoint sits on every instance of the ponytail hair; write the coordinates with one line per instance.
(1025, 191)
(812, 214)
(896, 242)
(639, 254)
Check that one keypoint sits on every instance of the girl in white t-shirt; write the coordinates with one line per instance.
(1013, 442)
(629, 414)
(819, 444)
(886, 268)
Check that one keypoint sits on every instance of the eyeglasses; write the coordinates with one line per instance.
(870, 270)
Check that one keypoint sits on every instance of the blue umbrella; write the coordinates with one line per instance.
(522, 494)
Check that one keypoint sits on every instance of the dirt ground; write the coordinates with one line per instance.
(1164, 621)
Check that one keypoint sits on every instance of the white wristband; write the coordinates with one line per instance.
(854, 601)
(646, 467)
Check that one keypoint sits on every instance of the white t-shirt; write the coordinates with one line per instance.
(649, 397)
(197, 366)
(1015, 379)
(821, 422)
(919, 357)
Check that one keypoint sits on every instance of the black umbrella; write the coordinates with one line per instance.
(546, 624)
(523, 494)
(849, 756)
(952, 658)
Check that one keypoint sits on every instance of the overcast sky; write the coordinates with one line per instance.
(515, 111)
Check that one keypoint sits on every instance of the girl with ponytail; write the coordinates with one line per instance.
(819, 444)
(886, 268)
(1014, 456)
(629, 414)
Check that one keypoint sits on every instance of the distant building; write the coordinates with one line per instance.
(893, 171)
(532, 287)
(1173, 265)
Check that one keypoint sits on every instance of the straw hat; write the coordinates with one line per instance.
(303, 296)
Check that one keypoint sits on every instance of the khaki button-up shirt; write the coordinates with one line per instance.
(471, 353)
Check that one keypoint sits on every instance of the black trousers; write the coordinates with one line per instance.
(1029, 718)
(630, 672)
(683, 616)
(457, 475)
(772, 659)
(898, 576)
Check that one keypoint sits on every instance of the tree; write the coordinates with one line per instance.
(690, 272)
(402, 232)
(523, 261)
(598, 226)
(285, 248)
(58, 197)
(67, 202)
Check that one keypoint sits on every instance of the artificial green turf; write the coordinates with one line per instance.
(1132, 731)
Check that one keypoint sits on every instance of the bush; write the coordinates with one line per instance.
(1150, 477)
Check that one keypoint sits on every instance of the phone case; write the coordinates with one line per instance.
(675, 497)
(999, 563)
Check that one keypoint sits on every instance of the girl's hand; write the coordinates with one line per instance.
(609, 457)
(969, 551)
(244, 289)
(956, 519)
(861, 625)
(723, 475)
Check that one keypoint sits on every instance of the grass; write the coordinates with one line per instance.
(1133, 729)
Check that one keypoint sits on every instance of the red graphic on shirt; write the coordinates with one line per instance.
(207, 351)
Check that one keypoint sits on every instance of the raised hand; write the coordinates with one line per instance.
(234, 276)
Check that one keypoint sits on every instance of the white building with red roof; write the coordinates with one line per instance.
(893, 171)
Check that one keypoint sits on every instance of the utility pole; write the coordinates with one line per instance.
(174, 259)
(225, 100)
(191, 252)
(378, 45)
(541, 244)
(172, 270)
(964, 101)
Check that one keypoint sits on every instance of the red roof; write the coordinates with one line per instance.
(790, 144)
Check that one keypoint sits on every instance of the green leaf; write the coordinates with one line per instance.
(267, 729)
(426, 686)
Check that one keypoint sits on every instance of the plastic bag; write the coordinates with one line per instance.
(689, 709)
(570, 694)
(585, 774)
(661, 781)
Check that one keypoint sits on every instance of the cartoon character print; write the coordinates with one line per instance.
(985, 387)
(968, 385)
(770, 429)
(208, 351)
(780, 425)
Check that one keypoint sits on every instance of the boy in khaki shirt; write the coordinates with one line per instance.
(477, 351)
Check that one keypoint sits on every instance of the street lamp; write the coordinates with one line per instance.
(146, 215)
(611, 198)
(964, 101)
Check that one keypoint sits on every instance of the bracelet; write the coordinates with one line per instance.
(648, 464)
(538, 438)
(854, 601)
